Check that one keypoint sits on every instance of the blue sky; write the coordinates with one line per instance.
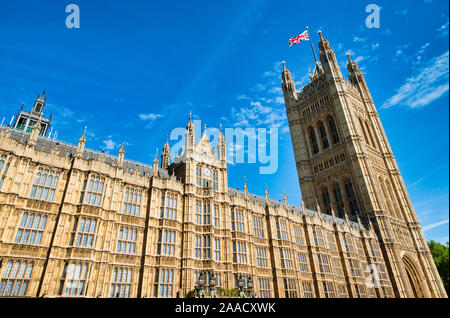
(133, 70)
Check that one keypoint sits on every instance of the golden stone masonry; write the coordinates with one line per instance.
(80, 223)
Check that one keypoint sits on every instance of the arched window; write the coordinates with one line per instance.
(370, 135)
(326, 200)
(73, 279)
(339, 201)
(313, 140)
(386, 197)
(323, 135)
(363, 131)
(393, 200)
(16, 278)
(351, 197)
(318, 237)
(333, 130)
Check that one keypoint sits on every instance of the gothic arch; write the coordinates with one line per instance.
(322, 134)
(313, 140)
(333, 129)
(413, 277)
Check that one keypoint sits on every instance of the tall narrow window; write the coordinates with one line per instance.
(237, 220)
(163, 286)
(302, 262)
(31, 228)
(348, 243)
(126, 240)
(198, 247)
(326, 201)
(217, 250)
(313, 140)
(258, 227)
(318, 237)
(286, 259)
(44, 185)
(323, 135)
(239, 252)
(363, 129)
(324, 265)
(199, 176)
(331, 241)
(290, 290)
(169, 204)
(121, 282)
(166, 243)
(93, 194)
(132, 202)
(261, 257)
(216, 180)
(333, 130)
(339, 201)
(202, 247)
(282, 230)
(207, 247)
(298, 235)
(264, 288)
(73, 280)
(328, 289)
(353, 204)
(216, 216)
(84, 232)
(16, 278)
(203, 212)
(369, 131)
(307, 290)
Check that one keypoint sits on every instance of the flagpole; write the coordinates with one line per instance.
(312, 47)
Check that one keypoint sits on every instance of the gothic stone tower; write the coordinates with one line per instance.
(345, 164)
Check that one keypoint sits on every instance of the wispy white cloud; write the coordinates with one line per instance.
(433, 225)
(426, 176)
(359, 39)
(109, 144)
(150, 118)
(265, 105)
(442, 31)
(430, 83)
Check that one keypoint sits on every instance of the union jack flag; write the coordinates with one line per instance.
(296, 39)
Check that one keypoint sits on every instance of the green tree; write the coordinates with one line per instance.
(440, 255)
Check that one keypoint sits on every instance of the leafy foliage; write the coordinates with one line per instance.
(440, 256)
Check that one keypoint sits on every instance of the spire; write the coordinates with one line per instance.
(155, 163)
(83, 137)
(318, 207)
(81, 144)
(346, 218)
(121, 155)
(303, 206)
(285, 200)
(267, 194)
(245, 188)
(40, 102)
(328, 58)
(221, 146)
(288, 84)
(333, 214)
(165, 156)
(190, 136)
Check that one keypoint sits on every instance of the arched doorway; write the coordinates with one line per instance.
(413, 278)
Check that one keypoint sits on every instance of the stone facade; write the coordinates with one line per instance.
(81, 223)
(346, 166)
